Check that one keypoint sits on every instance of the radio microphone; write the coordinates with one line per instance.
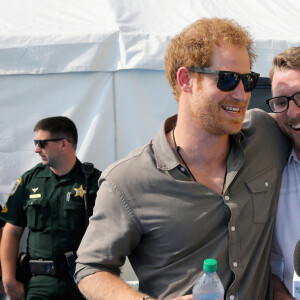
(87, 169)
(296, 278)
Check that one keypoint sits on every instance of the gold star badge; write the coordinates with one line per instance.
(4, 210)
(79, 192)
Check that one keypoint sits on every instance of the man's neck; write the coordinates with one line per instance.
(200, 146)
(65, 167)
(204, 154)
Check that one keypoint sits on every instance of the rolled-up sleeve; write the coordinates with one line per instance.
(112, 234)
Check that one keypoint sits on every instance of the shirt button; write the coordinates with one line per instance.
(226, 198)
(266, 183)
(231, 297)
(232, 228)
(235, 264)
(182, 169)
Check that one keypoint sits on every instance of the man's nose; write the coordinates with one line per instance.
(37, 149)
(240, 94)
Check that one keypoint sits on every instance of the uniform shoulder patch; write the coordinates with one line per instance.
(15, 187)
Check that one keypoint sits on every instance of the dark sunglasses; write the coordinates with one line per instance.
(43, 143)
(228, 80)
(282, 103)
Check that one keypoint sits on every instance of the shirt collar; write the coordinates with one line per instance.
(164, 155)
(293, 157)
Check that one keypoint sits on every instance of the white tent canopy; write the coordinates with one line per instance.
(101, 63)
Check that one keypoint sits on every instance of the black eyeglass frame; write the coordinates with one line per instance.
(43, 143)
(288, 98)
(222, 74)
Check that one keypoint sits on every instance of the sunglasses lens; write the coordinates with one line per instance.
(250, 82)
(228, 81)
(42, 144)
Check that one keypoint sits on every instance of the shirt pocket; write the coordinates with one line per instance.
(262, 194)
(36, 213)
(74, 214)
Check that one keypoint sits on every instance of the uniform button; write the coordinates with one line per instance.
(226, 198)
(266, 183)
(232, 228)
(182, 169)
(231, 297)
(235, 264)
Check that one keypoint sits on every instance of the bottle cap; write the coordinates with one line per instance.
(210, 265)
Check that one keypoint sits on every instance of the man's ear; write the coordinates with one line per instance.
(184, 79)
(64, 145)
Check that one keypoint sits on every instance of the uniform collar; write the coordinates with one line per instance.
(74, 173)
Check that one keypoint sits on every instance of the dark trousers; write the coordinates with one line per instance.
(54, 288)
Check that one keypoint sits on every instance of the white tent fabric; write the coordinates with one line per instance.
(101, 63)
(53, 36)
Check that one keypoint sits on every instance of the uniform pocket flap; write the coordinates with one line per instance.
(35, 202)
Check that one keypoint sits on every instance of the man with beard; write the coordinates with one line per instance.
(205, 186)
(49, 200)
(285, 78)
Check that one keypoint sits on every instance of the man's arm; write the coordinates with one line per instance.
(9, 251)
(279, 290)
(106, 286)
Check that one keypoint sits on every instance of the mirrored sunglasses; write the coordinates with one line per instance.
(228, 80)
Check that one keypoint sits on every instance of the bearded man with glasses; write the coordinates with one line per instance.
(205, 186)
(285, 79)
(50, 200)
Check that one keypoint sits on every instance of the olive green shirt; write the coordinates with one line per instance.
(149, 209)
(52, 208)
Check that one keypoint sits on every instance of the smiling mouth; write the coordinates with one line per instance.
(232, 109)
(296, 127)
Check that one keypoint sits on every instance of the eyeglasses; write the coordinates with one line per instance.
(228, 80)
(43, 143)
(281, 104)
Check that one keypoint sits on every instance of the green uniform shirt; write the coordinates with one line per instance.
(52, 208)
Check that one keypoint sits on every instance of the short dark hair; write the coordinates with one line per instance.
(59, 127)
(286, 60)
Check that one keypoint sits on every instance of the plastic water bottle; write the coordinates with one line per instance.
(208, 285)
